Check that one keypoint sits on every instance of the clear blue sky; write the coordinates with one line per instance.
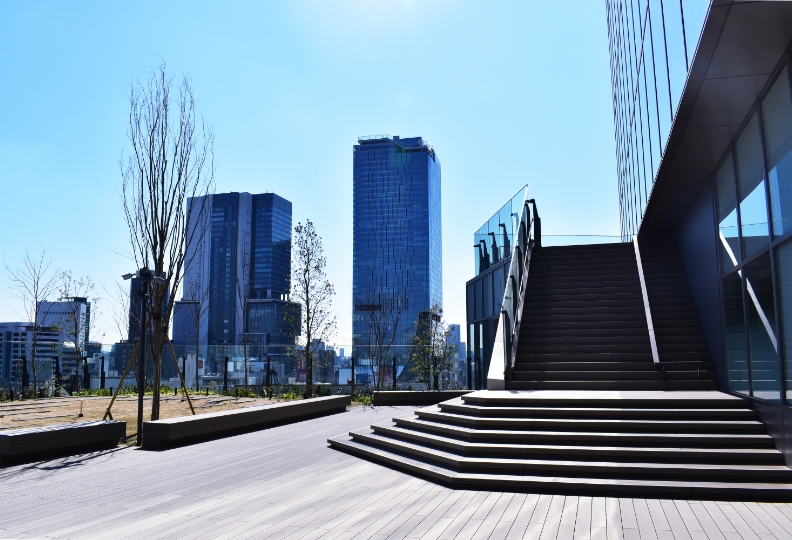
(508, 92)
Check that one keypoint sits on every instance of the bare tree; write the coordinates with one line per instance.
(243, 300)
(171, 161)
(381, 312)
(73, 322)
(313, 293)
(430, 351)
(32, 284)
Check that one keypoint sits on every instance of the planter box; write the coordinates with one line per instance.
(30, 443)
(184, 429)
(415, 398)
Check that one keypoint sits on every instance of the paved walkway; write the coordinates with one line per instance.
(285, 482)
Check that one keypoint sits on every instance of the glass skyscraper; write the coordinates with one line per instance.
(702, 101)
(239, 270)
(397, 236)
(652, 44)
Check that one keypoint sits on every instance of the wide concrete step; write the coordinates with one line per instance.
(667, 386)
(610, 375)
(583, 357)
(548, 467)
(605, 486)
(613, 366)
(540, 339)
(765, 456)
(458, 407)
(632, 425)
(561, 348)
(613, 399)
(584, 438)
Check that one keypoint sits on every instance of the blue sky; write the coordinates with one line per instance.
(508, 92)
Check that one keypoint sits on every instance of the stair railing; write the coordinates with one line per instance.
(645, 294)
(508, 331)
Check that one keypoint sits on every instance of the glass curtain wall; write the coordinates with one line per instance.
(652, 44)
(753, 187)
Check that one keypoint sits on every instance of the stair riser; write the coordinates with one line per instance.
(667, 440)
(614, 385)
(623, 454)
(581, 470)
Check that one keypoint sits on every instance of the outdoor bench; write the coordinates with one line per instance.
(406, 397)
(183, 429)
(29, 443)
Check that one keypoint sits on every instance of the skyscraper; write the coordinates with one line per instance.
(237, 276)
(397, 236)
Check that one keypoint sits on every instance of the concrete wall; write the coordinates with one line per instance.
(698, 247)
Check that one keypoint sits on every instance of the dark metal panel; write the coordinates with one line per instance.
(696, 240)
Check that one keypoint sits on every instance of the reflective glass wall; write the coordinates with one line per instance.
(397, 238)
(493, 243)
(652, 44)
(494, 240)
(753, 185)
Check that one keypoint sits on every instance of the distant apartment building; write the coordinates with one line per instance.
(397, 235)
(16, 349)
(237, 277)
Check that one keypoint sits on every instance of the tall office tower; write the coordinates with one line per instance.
(397, 236)
(652, 46)
(237, 278)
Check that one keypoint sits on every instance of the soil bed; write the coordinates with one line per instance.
(45, 412)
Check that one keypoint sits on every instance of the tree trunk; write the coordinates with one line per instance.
(308, 374)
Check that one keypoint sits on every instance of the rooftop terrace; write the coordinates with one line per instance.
(285, 482)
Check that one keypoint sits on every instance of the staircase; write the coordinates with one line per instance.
(607, 443)
(587, 410)
(584, 325)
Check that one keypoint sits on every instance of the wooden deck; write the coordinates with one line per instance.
(285, 482)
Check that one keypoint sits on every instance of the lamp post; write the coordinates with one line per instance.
(269, 390)
(146, 277)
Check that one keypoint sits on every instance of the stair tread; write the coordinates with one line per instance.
(666, 468)
(446, 475)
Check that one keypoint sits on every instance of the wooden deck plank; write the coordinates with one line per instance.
(583, 521)
(305, 490)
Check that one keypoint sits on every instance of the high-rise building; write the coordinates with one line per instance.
(397, 236)
(16, 348)
(237, 277)
(702, 102)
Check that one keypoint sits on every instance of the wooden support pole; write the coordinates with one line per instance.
(181, 375)
(121, 382)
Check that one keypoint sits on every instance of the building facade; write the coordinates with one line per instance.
(237, 279)
(652, 44)
(493, 243)
(16, 352)
(711, 169)
(397, 236)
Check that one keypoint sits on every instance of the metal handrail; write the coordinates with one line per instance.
(645, 295)
(516, 283)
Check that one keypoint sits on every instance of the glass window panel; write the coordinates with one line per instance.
(785, 297)
(777, 116)
(760, 302)
(750, 175)
(727, 215)
(736, 358)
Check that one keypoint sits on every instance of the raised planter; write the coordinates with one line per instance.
(405, 397)
(32, 443)
(185, 429)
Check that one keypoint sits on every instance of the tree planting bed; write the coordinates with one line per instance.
(187, 429)
(32, 443)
